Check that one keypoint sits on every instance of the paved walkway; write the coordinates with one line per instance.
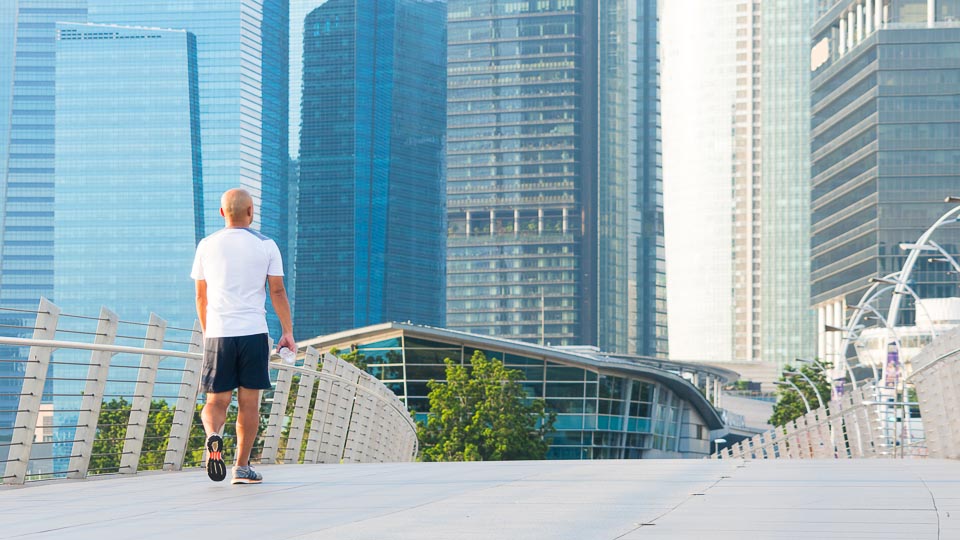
(558, 500)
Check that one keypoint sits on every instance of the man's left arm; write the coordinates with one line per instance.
(281, 305)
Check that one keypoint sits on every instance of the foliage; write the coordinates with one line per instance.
(112, 431)
(483, 414)
(789, 405)
(353, 356)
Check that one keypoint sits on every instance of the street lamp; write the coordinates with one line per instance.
(797, 388)
(842, 353)
(815, 390)
(716, 445)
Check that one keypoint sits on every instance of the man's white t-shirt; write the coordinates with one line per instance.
(235, 263)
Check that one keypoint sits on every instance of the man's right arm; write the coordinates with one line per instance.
(202, 303)
(281, 305)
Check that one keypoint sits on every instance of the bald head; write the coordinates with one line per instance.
(236, 207)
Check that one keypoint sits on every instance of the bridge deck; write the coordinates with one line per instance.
(602, 500)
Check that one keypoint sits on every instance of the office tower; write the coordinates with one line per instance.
(299, 9)
(747, 183)
(27, 58)
(884, 123)
(555, 224)
(787, 324)
(700, 74)
(371, 205)
(129, 191)
(242, 60)
(739, 85)
(128, 209)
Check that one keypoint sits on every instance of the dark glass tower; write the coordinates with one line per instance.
(555, 220)
(370, 244)
(885, 144)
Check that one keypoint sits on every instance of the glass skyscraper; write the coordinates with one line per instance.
(27, 65)
(242, 48)
(128, 210)
(700, 79)
(787, 324)
(129, 191)
(242, 61)
(371, 204)
(886, 146)
(555, 222)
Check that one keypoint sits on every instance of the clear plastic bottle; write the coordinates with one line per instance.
(287, 356)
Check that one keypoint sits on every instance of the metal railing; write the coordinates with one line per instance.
(856, 426)
(93, 395)
(936, 374)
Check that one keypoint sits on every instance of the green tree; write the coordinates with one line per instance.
(789, 405)
(112, 432)
(483, 414)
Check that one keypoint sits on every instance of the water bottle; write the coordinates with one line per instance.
(287, 356)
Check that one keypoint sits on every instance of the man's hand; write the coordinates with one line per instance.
(286, 340)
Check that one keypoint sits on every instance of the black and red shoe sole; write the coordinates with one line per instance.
(216, 468)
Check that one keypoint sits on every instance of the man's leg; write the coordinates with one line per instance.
(248, 423)
(214, 413)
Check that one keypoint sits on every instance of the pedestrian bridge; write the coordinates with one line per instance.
(102, 440)
(549, 500)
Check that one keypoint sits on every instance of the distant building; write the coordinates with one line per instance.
(787, 322)
(370, 244)
(608, 406)
(554, 207)
(737, 167)
(242, 59)
(129, 189)
(27, 66)
(885, 124)
(702, 74)
(129, 186)
(748, 183)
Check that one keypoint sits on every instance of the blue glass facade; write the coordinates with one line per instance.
(371, 202)
(128, 183)
(886, 145)
(128, 186)
(240, 99)
(27, 64)
(555, 207)
(242, 48)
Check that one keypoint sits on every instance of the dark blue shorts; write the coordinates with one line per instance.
(231, 362)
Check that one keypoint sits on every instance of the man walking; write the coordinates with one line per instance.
(231, 268)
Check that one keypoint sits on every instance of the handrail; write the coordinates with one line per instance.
(163, 353)
(356, 418)
(58, 344)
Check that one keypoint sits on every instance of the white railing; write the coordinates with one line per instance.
(64, 413)
(855, 426)
(936, 375)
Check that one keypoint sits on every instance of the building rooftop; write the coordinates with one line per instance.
(556, 500)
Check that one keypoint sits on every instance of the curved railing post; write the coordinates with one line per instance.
(34, 379)
(142, 396)
(93, 396)
(298, 420)
(186, 404)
